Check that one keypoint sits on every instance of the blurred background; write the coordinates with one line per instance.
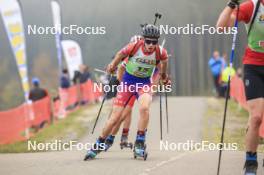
(122, 18)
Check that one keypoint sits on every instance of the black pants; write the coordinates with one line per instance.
(254, 81)
(216, 83)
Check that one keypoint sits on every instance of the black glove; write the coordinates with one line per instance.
(233, 3)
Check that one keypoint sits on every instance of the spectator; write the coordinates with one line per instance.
(82, 75)
(85, 73)
(37, 93)
(65, 80)
(224, 61)
(215, 65)
(224, 80)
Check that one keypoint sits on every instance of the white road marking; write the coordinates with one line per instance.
(162, 163)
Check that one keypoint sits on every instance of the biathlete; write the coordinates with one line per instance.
(127, 113)
(143, 58)
(251, 13)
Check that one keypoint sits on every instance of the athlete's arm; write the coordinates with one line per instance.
(121, 55)
(156, 75)
(120, 72)
(164, 66)
(228, 16)
(118, 58)
(226, 19)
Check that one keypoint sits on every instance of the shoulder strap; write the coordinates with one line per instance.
(135, 49)
(158, 52)
(254, 16)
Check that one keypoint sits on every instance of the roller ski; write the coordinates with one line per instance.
(125, 144)
(98, 147)
(140, 149)
(251, 167)
(109, 142)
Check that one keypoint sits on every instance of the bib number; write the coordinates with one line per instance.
(142, 71)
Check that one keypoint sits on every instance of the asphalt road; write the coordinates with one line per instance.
(185, 123)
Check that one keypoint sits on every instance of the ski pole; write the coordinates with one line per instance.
(167, 112)
(99, 70)
(161, 116)
(166, 95)
(157, 16)
(102, 71)
(227, 92)
(102, 104)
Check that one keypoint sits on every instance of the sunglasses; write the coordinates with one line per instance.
(153, 42)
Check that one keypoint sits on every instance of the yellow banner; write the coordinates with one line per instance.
(12, 18)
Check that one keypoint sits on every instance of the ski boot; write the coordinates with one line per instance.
(98, 147)
(109, 142)
(140, 148)
(124, 143)
(251, 167)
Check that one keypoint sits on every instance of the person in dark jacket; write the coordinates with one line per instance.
(82, 75)
(65, 80)
(37, 93)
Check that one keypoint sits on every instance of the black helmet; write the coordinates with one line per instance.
(150, 31)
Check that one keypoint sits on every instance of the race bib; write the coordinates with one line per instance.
(261, 44)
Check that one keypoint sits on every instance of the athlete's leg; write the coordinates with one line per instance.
(120, 102)
(144, 105)
(256, 108)
(125, 116)
(254, 86)
(126, 126)
(127, 121)
(112, 121)
(118, 106)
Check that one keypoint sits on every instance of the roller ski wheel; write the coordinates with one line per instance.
(140, 151)
(95, 150)
(248, 173)
(126, 145)
(251, 167)
(89, 156)
(143, 155)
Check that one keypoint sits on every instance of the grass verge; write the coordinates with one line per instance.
(236, 123)
(73, 127)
